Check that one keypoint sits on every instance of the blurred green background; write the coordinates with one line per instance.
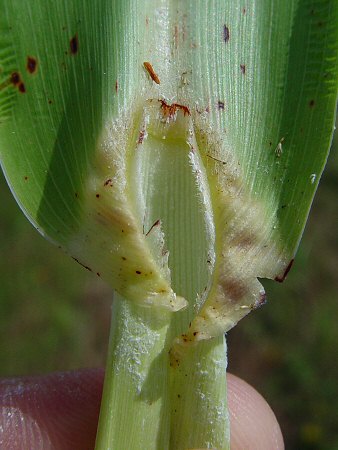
(54, 315)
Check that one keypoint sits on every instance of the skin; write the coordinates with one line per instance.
(60, 412)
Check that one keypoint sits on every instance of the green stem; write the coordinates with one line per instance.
(199, 415)
(135, 413)
(147, 404)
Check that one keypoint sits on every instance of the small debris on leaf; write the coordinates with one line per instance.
(279, 148)
(152, 73)
(226, 33)
(313, 177)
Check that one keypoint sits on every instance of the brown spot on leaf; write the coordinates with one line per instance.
(138, 272)
(281, 278)
(176, 36)
(97, 195)
(226, 33)
(22, 87)
(15, 78)
(32, 64)
(116, 86)
(141, 136)
(311, 103)
(220, 105)
(244, 241)
(235, 289)
(242, 66)
(74, 44)
(108, 182)
(25, 178)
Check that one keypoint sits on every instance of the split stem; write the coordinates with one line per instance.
(146, 403)
(135, 412)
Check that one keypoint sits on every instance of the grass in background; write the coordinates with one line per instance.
(55, 316)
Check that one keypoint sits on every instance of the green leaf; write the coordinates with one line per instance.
(258, 85)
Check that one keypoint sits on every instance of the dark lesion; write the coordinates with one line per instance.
(74, 44)
(281, 278)
(14, 80)
(226, 33)
(31, 65)
(234, 289)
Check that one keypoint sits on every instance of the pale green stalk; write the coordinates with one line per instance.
(148, 404)
(135, 411)
(199, 414)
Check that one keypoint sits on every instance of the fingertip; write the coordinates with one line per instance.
(253, 425)
(58, 411)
